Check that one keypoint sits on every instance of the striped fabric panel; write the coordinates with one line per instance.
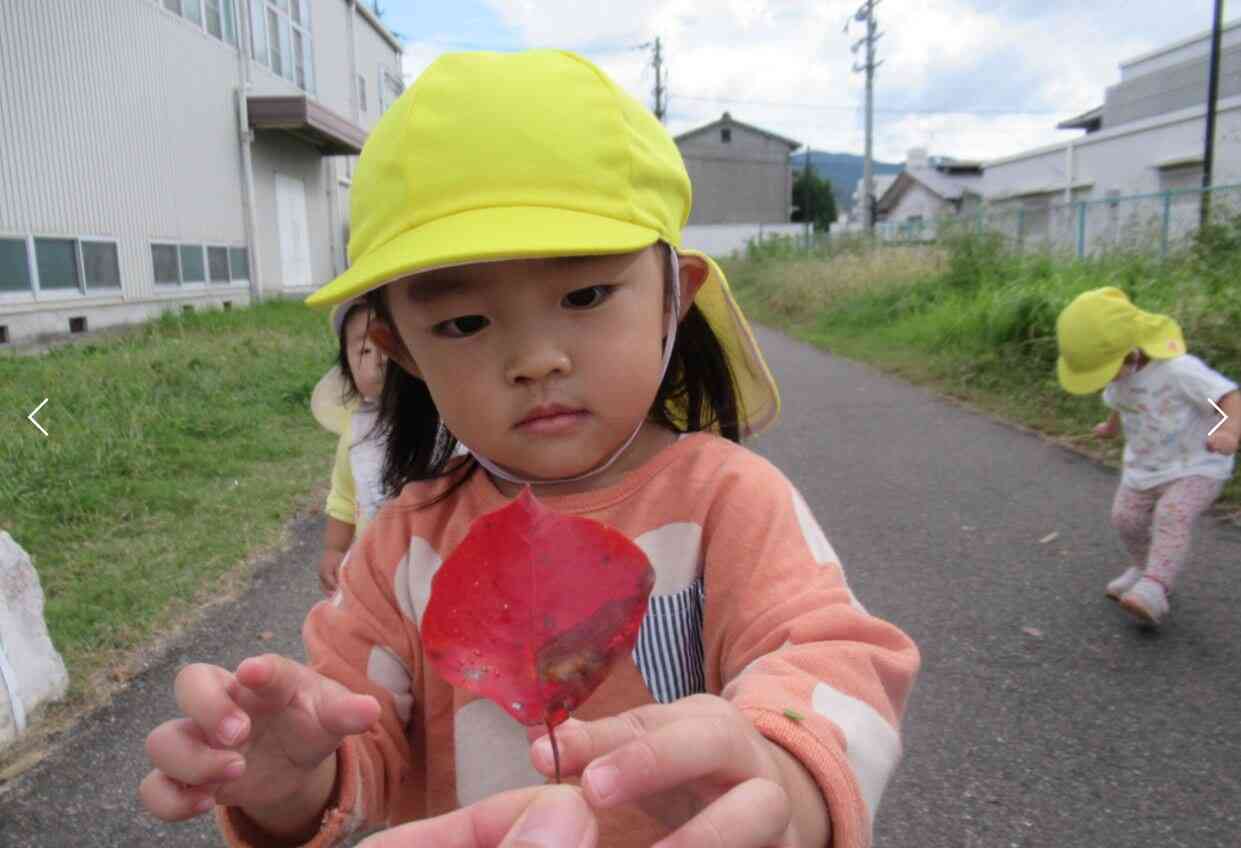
(669, 649)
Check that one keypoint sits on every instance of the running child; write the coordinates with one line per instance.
(1176, 459)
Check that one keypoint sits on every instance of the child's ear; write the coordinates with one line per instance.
(693, 272)
(386, 339)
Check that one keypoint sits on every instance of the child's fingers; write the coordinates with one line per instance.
(171, 801)
(754, 814)
(344, 713)
(206, 694)
(179, 750)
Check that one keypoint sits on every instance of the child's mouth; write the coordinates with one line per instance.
(552, 420)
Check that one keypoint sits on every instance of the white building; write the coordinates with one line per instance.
(1146, 139)
(159, 154)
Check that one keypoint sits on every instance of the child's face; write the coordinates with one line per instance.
(543, 366)
(366, 361)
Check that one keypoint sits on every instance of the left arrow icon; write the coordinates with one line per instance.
(36, 412)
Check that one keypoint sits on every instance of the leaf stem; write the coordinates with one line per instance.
(551, 732)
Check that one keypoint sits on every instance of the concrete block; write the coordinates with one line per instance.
(31, 671)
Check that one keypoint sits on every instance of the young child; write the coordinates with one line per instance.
(1174, 465)
(344, 402)
(516, 220)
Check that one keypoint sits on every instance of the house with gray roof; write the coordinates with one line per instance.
(927, 191)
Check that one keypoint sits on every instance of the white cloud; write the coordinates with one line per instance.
(785, 65)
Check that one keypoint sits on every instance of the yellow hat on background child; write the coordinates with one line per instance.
(1099, 328)
(329, 402)
(495, 156)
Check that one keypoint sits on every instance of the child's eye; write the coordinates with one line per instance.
(459, 328)
(588, 297)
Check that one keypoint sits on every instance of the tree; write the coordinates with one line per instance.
(813, 198)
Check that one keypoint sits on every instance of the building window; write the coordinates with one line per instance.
(192, 268)
(217, 264)
(217, 17)
(176, 264)
(390, 88)
(726, 134)
(282, 39)
(361, 93)
(57, 262)
(238, 263)
(100, 265)
(14, 266)
(167, 269)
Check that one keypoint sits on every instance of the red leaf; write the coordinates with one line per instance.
(533, 607)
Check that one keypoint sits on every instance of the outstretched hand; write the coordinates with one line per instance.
(536, 817)
(259, 738)
(699, 767)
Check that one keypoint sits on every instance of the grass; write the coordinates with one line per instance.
(977, 321)
(174, 452)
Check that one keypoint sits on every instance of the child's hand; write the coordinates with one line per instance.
(698, 766)
(253, 739)
(548, 816)
(329, 568)
(1223, 441)
(1105, 429)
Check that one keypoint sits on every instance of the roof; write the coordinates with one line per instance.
(727, 120)
(1090, 120)
(318, 126)
(944, 186)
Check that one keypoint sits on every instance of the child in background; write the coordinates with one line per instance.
(1176, 459)
(516, 225)
(344, 402)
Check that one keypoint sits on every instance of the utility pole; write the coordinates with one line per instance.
(866, 14)
(661, 98)
(1208, 155)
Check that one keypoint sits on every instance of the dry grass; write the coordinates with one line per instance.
(800, 289)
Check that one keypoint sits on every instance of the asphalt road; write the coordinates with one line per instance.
(1043, 716)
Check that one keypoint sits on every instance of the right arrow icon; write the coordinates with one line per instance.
(1222, 419)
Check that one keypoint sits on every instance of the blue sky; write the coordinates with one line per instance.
(966, 78)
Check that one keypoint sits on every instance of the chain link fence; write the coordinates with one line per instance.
(1155, 224)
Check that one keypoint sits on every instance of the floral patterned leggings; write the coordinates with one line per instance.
(1155, 524)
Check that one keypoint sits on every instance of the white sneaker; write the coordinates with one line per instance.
(1123, 583)
(1146, 601)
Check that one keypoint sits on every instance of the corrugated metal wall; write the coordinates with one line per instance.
(119, 123)
(745, 180)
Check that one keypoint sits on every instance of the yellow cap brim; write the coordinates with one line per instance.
(1087, 382)
(327, 402)
(758, 393)
(485, 235)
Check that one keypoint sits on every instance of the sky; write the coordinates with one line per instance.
(971, 79)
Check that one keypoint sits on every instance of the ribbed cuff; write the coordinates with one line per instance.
(340, 819)
(846, 810)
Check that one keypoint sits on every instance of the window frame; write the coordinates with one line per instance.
(227, 10)
(32, 276)
(120, 278)
(228, 274)
(262, 14)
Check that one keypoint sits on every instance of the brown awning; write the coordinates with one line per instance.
(307, 120)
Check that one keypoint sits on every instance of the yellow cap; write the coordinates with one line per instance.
(1099, 328)
(492, 156)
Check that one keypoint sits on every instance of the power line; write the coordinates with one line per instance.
(833, 108)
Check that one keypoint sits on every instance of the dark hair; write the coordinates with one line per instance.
(342, 354)
(698, 381)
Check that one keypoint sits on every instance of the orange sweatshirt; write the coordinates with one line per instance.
(750, 603)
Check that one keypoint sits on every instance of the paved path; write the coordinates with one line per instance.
(1090, 733)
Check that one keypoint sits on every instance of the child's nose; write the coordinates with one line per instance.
(537, 361)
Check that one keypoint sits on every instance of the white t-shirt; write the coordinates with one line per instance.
(1166, 414)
